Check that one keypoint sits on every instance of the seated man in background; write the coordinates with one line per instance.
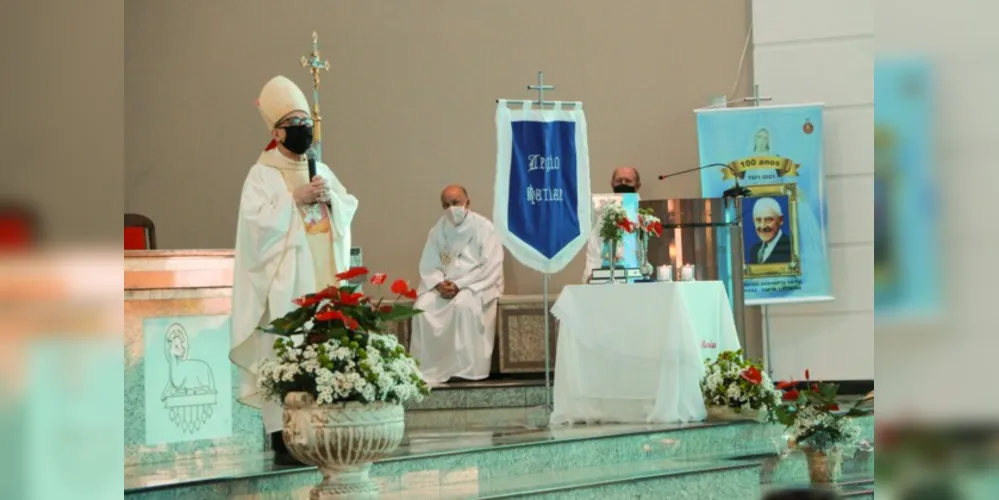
(461, 280)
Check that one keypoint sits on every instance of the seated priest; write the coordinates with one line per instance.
(461, 281)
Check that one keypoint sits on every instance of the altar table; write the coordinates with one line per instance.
(634, 353)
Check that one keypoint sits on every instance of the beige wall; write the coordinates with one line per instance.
(408, 105)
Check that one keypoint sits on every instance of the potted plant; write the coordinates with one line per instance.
(737, 389)
(649, 226)
(817, 426)
(342, 381)
(614, 223)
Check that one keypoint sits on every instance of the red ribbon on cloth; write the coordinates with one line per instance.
(271, 145)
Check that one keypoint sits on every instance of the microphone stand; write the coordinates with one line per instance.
(734, 195)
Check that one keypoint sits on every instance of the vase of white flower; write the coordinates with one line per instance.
(817, 426)
(342, 382)
(738, 389)
(343, 440)
(823, 466)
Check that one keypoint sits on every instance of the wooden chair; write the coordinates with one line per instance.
(140, 232)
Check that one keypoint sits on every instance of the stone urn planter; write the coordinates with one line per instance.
(725, 413)
(823, 467)
(343, 440)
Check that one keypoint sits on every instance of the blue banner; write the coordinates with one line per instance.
(541, 210)
(904, 192)
(776, 153)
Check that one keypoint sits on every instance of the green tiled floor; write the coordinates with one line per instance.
(488, 440)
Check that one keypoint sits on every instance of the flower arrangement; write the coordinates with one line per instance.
(614, 223)
(648, 224)
(333, 346)
(813, 417)
(741, 385)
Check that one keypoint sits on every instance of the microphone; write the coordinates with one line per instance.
(732, 192)
(311, 155)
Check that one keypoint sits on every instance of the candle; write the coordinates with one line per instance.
(665, 273)
(687, 273)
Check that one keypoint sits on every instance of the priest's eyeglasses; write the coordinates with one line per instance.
(296, 121)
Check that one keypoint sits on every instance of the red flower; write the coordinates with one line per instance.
(352, 273)
(330, 292)
(832, 407)
(385, 309)
(784, 384)
(399, 287)
(308, 300)
(626, 225)
(378, 278)
(410, 294)
(333, 315)
(329, 315)
(350, 299)
(656, 228)
(752, 375)
(791, 395)
(806, 375)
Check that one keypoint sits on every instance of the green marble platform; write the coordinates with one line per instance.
(506, 453)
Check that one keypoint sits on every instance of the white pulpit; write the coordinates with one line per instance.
(635, 353)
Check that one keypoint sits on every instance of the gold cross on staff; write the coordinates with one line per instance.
(312, 61)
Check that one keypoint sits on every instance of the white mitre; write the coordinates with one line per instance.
(279, 97)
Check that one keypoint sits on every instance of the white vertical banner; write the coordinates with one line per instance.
(542, 200)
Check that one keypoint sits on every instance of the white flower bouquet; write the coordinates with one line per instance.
(813, 417)
(740, 387)
(333, 347)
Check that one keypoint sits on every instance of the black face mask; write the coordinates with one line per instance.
(297, 138)
(624, 188)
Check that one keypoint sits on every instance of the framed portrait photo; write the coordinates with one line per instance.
(770, 231)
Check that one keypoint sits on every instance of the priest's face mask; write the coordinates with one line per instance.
(455, 204)
(625, 180)
(295, 132)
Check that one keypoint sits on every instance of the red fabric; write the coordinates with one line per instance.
(271, 145)
(15, 233)
(135, 238)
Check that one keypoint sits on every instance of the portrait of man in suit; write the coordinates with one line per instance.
(774, 245)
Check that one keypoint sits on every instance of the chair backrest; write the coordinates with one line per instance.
(140, 232)
(18, 227)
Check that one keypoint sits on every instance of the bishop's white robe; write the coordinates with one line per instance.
(274, 262)
(454, 338)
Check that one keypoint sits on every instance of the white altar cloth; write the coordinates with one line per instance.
(634, 353)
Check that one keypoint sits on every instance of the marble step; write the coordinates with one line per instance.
(489, 453)
(661, 479)
(791, 466)
(485, 394)
(849, 486)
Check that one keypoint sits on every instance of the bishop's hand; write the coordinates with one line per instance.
(447, 289)
(315, 191)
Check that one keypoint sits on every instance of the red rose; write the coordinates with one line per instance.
(752, 375)
(378, 278)
(352, 273)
